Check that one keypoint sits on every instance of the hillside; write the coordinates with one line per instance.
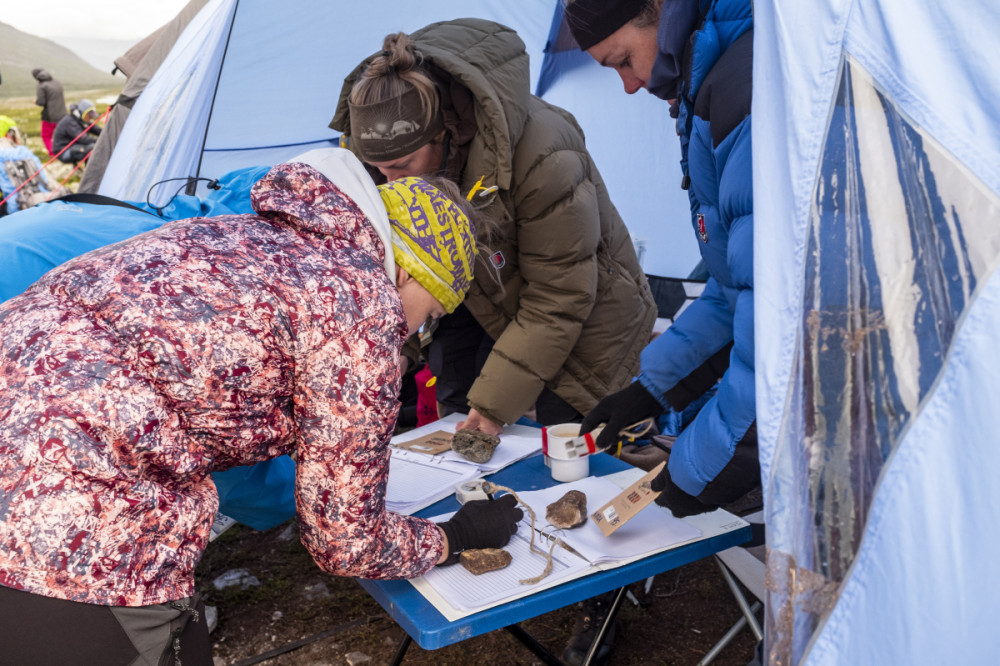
(21, 52)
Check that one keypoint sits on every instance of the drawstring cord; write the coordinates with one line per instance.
(183, 607)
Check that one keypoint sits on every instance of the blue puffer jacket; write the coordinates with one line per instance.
(714, 124)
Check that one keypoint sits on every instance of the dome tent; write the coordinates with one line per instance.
(233, 84)
(878, 300)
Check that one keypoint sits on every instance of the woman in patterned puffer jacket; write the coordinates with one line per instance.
(129, 374)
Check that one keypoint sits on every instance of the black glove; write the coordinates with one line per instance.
(481, 524)
(679, 502)
(619, 410)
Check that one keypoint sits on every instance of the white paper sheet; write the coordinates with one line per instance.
(416, 481)
(648, 531)
(516, 442)
(707, 525)
(466, 591)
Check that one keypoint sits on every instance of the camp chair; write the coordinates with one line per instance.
(746, 564)
(672, 296)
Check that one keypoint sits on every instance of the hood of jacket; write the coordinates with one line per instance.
(691, 36)
(298, 195)
(489, 59)
(677, 21)
(41, 74)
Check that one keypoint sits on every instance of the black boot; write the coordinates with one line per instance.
(588, 622)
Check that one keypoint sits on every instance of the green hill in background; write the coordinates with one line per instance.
(20, 53)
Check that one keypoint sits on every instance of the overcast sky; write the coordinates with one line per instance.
(92, 19)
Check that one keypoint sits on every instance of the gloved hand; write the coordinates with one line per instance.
(619, 410)
(481, 524)
(679, 502)
(644, 457)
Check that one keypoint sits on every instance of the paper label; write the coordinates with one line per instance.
(432, 444)
(627, 504)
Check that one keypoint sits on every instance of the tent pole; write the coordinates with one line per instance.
(192, 185)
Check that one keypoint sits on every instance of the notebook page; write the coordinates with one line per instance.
(651, 530)
(466, 591)
(417, 481)
(516, 442)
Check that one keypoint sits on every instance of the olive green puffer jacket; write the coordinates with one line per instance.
(572, 308)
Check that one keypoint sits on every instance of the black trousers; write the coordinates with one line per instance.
(77, 151)
(43, 631)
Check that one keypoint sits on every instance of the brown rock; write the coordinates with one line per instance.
(474, 445)
(570, 510)
(485, 559)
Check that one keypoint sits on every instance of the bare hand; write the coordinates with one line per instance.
(476, 421)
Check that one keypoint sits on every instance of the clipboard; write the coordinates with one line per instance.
(433, 443)
(627, 504)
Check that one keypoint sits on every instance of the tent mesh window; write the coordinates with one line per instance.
(900, 236)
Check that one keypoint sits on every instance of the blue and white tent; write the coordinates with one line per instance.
(877, 208)
(255, 82)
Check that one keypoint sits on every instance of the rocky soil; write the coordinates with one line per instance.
(296, 614)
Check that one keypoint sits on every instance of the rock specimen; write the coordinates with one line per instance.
(485, 559)
(570, 510)
(474, 445)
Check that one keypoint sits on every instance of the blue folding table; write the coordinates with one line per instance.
(423, 623)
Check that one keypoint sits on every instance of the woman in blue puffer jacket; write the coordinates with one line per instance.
(697, 55)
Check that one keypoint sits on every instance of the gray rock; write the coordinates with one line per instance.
(234, 577)
(288, 533)
(474, 445)
(316, 591)
(570, 510)
(211, 617)
(355, 658)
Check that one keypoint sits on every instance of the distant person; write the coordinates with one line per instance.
(79, 122)
(49, 96)
(9, 134)
(23, 183)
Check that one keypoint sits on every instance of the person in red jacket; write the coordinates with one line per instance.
(49, 96)
(131, 373)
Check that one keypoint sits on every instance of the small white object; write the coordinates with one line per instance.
(211, 617)
(355, 658)
(470, 490)
(220, 524)
(566, 461)
(233, 577)
(565, 440)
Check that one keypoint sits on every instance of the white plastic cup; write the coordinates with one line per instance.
(562, 467)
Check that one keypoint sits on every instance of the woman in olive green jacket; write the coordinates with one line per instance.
(558, 289)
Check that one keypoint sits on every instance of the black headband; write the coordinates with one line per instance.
(593, 21)
(392, 128)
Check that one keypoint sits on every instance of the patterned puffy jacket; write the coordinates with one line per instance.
(129, 374)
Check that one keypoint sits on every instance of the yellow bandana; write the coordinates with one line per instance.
(6, 123)
(432, 239)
